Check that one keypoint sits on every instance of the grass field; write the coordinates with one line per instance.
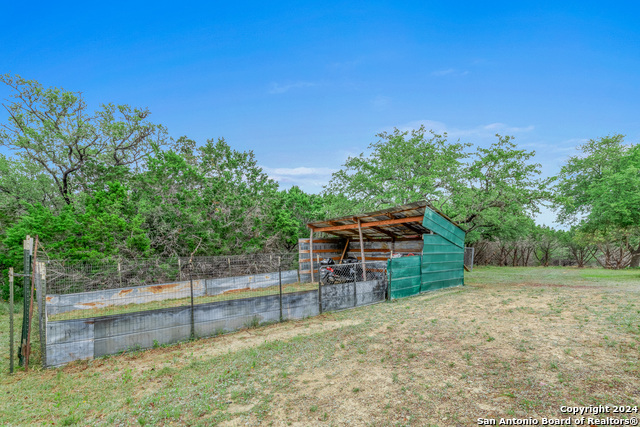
(514, 342)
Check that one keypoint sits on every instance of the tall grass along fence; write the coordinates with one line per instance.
(97, 309)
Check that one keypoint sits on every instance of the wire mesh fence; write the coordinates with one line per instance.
(469, 253)
(81, 290)
(91, 314)
(65, 277)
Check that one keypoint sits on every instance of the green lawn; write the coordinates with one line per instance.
(514, 342)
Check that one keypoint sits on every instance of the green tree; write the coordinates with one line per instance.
(599, 190)
(169, 196)
(499, 183)
(211, 198)
(53, 131)
(105, 226)
(546, 242)
(482, 189)
(292, 211)
(581, 246)
(102, 225)
(403, 167)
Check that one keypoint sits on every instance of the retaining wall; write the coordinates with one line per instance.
(57, 304)
(69, 340)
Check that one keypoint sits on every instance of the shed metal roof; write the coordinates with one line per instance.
(397, 223)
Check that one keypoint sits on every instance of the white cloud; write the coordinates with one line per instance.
(501, 127)
(482, 131)
(277, 88)
(308, 179)
(300, 171)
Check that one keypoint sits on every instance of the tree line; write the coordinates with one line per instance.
(110, 183)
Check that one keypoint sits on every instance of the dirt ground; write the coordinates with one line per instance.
(512, 343)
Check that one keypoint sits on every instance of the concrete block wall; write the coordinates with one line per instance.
(340, 296)
(57, 304)
(69, 340)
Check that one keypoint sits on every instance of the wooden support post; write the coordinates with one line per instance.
(344, 251)
(33, 286)
(119, 273)
(11, 320)
(364, 267)
(311, 255)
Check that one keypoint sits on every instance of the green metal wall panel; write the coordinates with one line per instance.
(405, 262)
(442, 263)
(404, 276)
(432, 286)
(443, 227)
(434, 267)
(445, 257)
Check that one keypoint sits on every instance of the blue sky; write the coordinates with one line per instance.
(304, 85)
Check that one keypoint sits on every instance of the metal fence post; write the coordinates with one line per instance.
(355, 300)
(11, 320)
(319, 284)
(41, 289)
(26, 293)
(193, 330)
(390, 278)
(280, 283)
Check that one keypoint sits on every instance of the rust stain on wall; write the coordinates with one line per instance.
(158, 289)
(49, 299)
(90, 304)
(233, 291)
(124, 292)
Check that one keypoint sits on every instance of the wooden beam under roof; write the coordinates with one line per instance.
(352, 232)
(368, 224)
(383, 231)
(412, 228)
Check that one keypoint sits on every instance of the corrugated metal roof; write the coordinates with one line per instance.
(398, 222)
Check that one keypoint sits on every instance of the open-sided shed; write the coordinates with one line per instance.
(375, 236)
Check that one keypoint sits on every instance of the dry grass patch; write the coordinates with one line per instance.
(514, 342)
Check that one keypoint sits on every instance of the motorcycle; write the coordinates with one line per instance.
(331, 273)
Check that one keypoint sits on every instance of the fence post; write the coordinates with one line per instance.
(193, 331)
(179, 269)
(11, 320)
(355, 274)
(26, 293)
(280, 283)
(119, 273)
(390, 271)
(319, 284)
(41, 289)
